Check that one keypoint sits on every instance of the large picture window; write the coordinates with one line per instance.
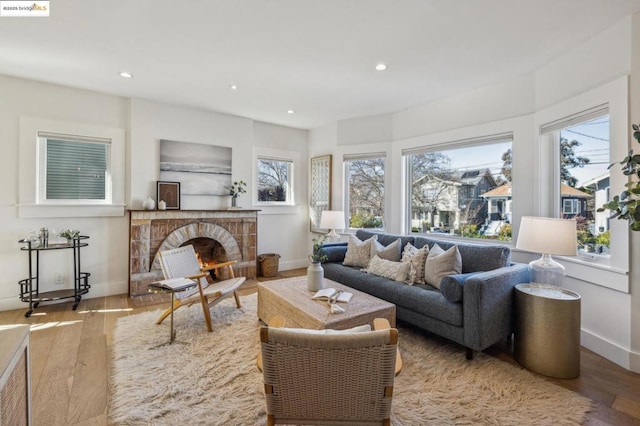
(365, 190)
(581, 158)
(463, 189)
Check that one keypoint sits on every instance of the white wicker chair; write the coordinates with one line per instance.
(328, 379)
(182, 262)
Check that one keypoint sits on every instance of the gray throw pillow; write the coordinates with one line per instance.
(390, 252)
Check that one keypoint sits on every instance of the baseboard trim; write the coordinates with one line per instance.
(624, 357)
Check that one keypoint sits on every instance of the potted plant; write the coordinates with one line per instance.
(315, 272)
(238, 187)
(69, 234)
(626, 205)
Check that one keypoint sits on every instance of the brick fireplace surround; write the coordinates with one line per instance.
(232, 235)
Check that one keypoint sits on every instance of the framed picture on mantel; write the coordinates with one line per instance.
(169, 192)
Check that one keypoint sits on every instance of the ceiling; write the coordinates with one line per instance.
(316, 57)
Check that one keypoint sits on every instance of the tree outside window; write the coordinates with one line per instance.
(274, 180)
(365, 183)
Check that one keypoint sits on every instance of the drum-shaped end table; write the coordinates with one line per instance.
(547, 330)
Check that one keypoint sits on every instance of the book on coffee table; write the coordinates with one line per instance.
(331, 294)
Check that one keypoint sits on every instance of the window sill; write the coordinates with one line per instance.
(70, 210)
(278, 209)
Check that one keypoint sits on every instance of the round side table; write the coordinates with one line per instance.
(547, 330)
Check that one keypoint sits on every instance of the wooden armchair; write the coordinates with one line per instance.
(182, 262)
(329, 378)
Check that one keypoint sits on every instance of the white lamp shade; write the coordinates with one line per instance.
(548, 235)
(332, 219)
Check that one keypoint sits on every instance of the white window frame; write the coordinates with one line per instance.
(43, 137)
(290, 181)
(607, 271)
(31, 166)
(296, 176)
(445, 146)
(347, 208)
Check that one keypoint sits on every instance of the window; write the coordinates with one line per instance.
(581, 158)
(364, 186)
(73, 169)
(275, 176)
(464, 190)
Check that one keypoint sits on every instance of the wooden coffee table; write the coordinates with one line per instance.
(290, 299)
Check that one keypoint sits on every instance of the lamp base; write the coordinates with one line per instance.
(333, 236)
(547, 271)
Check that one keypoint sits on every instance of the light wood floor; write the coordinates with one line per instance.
(71, 350)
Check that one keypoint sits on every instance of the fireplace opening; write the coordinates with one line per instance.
(209, 252)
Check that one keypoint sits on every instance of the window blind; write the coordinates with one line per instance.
(76, 170)
(574, 119)
(462, 143)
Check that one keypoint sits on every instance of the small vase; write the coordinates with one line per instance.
(149, 204)
(315, 277)
(162, 205)
(234, 202)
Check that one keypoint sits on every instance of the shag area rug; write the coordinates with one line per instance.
(212, 379)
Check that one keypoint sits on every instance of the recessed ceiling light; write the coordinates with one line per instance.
(381, 67)
(233, 87)
(290, 111)
(125, 74)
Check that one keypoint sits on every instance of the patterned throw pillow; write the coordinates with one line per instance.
(358, 252)
(396, 271)
(415, 258)
(441, 263)
(390, 252)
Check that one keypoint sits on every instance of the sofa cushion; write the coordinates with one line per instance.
(358, 252)
(415, 258)
(390, 252)
(441, 263)
(475, 257)
(396, 271)
(334, 252)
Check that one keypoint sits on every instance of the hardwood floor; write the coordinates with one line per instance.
(71, 350)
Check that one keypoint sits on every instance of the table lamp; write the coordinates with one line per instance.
(332, 220)
(547, 236)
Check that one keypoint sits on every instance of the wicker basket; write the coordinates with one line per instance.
(269, 264)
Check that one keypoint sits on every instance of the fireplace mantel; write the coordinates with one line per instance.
(151, 231)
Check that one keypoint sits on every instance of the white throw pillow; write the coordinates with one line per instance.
(396, 271)
(390, 252)
(358, 252)
(441, 263)
(415, 258)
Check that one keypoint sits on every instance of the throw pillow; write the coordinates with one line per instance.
(358, 329)
(415, 258)
(441, 263)
(390, 252)
(387, 269)
(358, 252)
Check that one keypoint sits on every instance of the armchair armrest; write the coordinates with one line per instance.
(383, 324)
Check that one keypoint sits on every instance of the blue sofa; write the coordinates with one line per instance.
(473, 308)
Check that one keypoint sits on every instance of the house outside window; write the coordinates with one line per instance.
(365, 190)
(462, 190)
(74, 169)
(275, 180)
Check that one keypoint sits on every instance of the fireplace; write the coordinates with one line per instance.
(217, 236)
